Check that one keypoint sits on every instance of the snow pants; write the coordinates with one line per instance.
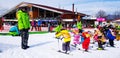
(80, 30)
(100, 43)
(76, 39)
(39, 28)
(111, 42)
(33, 28)
(66, 46)
(82, 40)
(24, 38)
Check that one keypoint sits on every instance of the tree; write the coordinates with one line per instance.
(101, 13)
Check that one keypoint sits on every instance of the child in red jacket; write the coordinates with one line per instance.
(86, 42)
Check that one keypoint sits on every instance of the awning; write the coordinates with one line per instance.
(49, 20)
(68, 20)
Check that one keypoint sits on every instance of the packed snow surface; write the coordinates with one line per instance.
(46, 46)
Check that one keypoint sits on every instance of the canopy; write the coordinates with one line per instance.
(100, 19)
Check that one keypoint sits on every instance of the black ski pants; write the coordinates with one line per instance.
(24, 38)
(66, 46)
(111, 42)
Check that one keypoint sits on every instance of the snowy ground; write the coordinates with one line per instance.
(45, 46)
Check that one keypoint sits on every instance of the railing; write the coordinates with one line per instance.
(15, 20)
(11, 20)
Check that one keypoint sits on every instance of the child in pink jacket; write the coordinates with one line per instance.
(76, 36)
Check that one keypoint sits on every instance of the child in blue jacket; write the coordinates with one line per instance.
(111, 36)
(14, 30)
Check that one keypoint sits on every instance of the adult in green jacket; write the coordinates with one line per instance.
(23, 20)
(79, 26)
(23, 26)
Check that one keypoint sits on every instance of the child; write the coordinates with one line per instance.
(86, 41)
(76, 36)
(111, 37)
(39, 23)
(95, 37)
(66, 39)
(34, 25)
(100, 39)
(14, 30)
(101, 42)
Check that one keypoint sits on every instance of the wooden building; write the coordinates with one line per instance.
(89, 21)
(45, 13)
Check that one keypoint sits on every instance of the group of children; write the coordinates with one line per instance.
(100, 36)
(79, 37)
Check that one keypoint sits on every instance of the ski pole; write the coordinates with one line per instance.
(58, 46)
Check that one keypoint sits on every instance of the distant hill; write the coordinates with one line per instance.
(112, 17)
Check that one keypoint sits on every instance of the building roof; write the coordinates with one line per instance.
(49, 8)
(58, 10)
(89, 18)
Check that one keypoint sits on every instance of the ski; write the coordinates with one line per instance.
(112, 47)
(75, 47)
(86, 51)
(64, 52)
(102, 50)
(99, 49)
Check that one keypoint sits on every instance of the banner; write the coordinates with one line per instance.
(100, 19)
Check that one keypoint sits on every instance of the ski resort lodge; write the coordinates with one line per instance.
(46, 13)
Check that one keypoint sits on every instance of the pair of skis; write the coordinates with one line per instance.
(65, 53)
(60, 50)
(75, 46)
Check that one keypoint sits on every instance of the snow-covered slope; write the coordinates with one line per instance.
(46, 46)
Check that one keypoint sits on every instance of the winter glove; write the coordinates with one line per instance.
(57, 37)
(28, 28)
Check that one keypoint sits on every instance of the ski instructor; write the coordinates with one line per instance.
(23, 26)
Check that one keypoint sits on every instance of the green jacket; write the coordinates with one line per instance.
(58, 28)
(23, 20)
(79, 25)
(118, 28)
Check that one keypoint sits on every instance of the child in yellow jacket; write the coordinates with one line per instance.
(66, 39)
(101, 42)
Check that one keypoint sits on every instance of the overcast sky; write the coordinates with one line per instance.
(90, 7)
